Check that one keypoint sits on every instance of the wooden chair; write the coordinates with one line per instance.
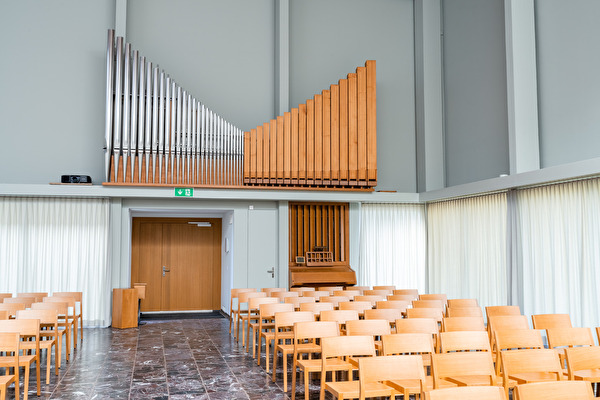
(309, 332)
(394, 304)
(412, 292)
(372, 298)
(333, 299)
(39, 296)
(3, 314)
(48, 336)
(340, 316)
(330, 289)
(233, 302)
(505, 322)
(511, 339)
(458, 303)
(28, 301)
(9, 344)
(435, 313)
(547, 321)
(389, 314)
(420, 325)
(454, 324)
(383, 376)
(253, 317)
(463, 369)
(561, 338)
(12, 308)
(78, 313)
(464, 312)
(266, 327)
(464, 341)
(296, 301)
(316, 308)
(64, 326)
(467, 393)
(402, 297)
(359, 306)
(391, 288)
(70, 316)
(563, 390)
(420, 344)
(583, 363)
(528, 366)
(284, 338)
(435, 296)
(335, 355)
(378, 292)
(243, 313)
(29, 332)
(429, 303)
(494, 311)
(374, 327)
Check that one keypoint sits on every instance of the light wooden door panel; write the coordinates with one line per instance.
(191, 257)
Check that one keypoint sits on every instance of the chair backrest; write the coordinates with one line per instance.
(492, 311)
(504, 322)
(464, 312)
(287, 319)
(361, 289)
(407, 343)
(26, 328)
(464, 341)
(282, 295)
(10, 343)
(12, 308)
(28, 301)
(378, 292)
(462, 364)
(511, 339)
(463, 303)
(466, 393)
(391, 288)
(547, 321)
(569, 337)
(320, 293)
(359, 306)
(333, 299)
(234, 294)
(62, 308)
(390, 368)
(255, 302)
(315, 330)
(530, 360)
(582, 358)
(270, 290)
(62, 299)
(3, 314)
(296, 301)
(37, 295)
(564, 390)
(4, 296)
(340, 346)
(77, 296)
(395, 304)
(46, 317)
(302, 289)
(435, 296)
(347, 293)
(389, 314)
(340, 316)
(372, 298)
(417, 325)
(436, 313)
(268, 310)
(403, 297)
(453, 324)
(330, 289)
(316, 308)
(244, 298)
(429, 303)
(374, 327)
(412, 292)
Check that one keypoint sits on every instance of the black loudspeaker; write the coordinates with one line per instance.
(75, 179)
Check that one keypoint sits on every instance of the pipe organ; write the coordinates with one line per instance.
(157, 133)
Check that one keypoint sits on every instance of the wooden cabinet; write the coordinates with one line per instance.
(125, 308)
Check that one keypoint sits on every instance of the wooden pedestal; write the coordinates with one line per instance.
(124, 309)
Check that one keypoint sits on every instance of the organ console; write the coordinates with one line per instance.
(156, 133)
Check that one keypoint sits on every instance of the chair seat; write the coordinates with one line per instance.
(471, 380)
(315, 365)
(531, 377)
(591, 375)
(351, 389)
(24, 361)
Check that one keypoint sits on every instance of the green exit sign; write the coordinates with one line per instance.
(184, 192)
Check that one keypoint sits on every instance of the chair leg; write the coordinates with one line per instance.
(26, 384)
(274, 361)
(284, 356)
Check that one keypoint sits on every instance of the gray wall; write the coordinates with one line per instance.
(329, 39)
(568, 34)
(52, 88)
(476, 129)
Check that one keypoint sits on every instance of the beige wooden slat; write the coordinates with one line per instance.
(335, 134)
(259, 154)
(371, 122)
(266, 152)
(352, 130)
(249, 154)
(273, 151)
(361, 83)
(318, 139)
(326, 137)
(302, 144)
(287, 148)
(295, 147)
(310, 142)
(343, 83)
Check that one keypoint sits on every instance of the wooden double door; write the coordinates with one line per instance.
(180, 262)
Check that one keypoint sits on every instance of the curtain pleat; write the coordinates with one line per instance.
(55, 245)
(392, 245)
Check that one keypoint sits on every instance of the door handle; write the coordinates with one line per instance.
(272, 272)
(165, 270)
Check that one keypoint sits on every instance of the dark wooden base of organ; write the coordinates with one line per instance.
(322, 276)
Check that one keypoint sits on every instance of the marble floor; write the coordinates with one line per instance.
(179, 359)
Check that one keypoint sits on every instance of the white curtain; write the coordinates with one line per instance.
(392, 245)
(55, 245)
(559, 254)
(467, 248)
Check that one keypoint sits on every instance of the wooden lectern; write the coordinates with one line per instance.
(124, 309)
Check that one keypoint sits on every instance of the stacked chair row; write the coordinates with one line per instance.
(440, 348)
(31, 323)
